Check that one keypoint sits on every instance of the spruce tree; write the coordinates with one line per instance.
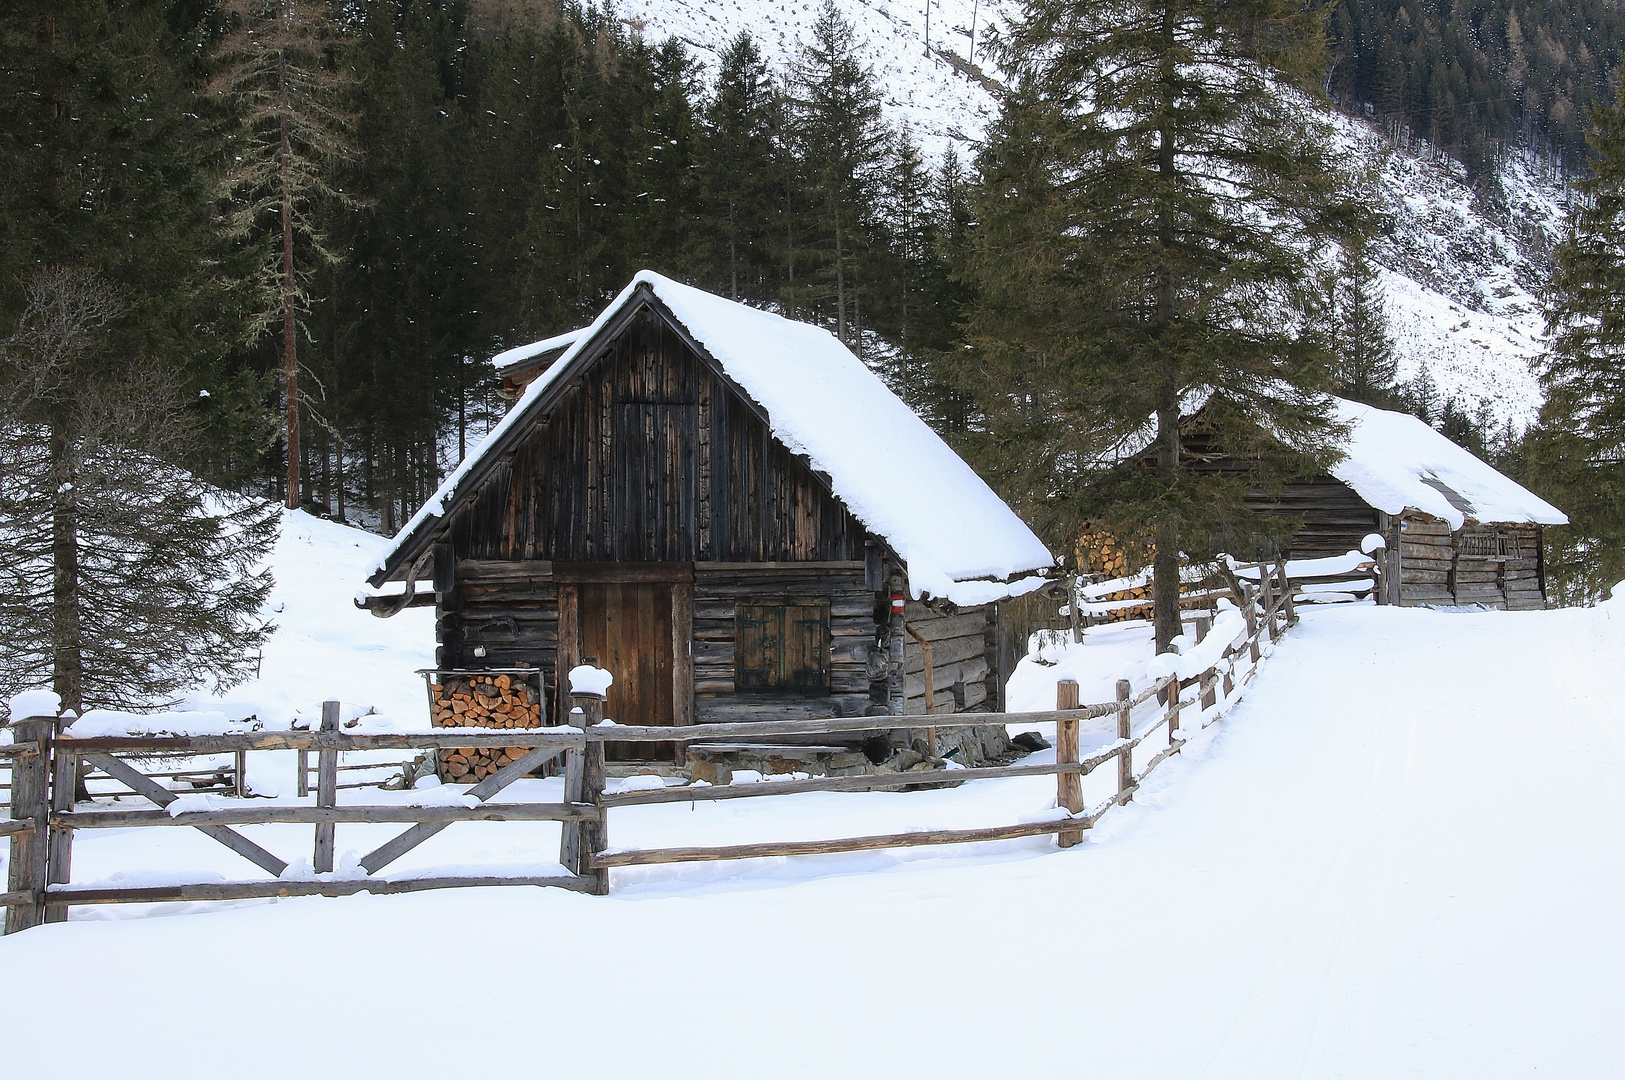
(739, 174)
(128, 579)
(1576, 453)
(1366, 363)
(841, 144)
(1150, 198)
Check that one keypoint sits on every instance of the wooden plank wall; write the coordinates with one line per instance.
(509, 607)
(1434, 569)
(852, 607)
(651, 456)
(959, 655)
(1335, 518)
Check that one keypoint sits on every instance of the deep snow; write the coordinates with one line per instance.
(1399, 856)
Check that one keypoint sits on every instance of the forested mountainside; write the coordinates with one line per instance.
(466, 175)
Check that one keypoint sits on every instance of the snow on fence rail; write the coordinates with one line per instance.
(46, 760)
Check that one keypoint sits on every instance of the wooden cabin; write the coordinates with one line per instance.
(720, 506)
(1456, 530)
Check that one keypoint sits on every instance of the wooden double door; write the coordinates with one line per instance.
(635, 621)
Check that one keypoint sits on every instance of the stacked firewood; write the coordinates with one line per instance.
(495, 701)
(1099, 552)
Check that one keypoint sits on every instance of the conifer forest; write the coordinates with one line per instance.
(268, 248)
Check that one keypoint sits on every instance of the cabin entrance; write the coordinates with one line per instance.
(625, 624)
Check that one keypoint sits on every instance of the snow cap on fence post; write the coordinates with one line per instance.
(1373, 543)
(32, 703)
(586, 679)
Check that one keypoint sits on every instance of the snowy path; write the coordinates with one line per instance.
(1403, 856)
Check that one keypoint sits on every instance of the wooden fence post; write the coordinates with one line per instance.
(327, 780)
(59, 842)
(240, 785)
(304, 773)
(1286, 595)
(1125, 730)
(1266, 594)
(31, 800)
(1173, 707)
(1068, 786)
(594, 834)
(1250, 613)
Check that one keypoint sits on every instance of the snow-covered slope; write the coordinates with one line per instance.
(1462, 273)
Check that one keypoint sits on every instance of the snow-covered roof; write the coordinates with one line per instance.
(1394, 461)
(884, 463)
(511, 358)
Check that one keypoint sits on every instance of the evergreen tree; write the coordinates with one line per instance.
(276, 72)
(127, 578)
(841, 147)
(739, 174)
(1151, 194)
(1366, 364)
(1577, 451)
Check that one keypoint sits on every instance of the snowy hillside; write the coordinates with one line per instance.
(1401, 855)
(1461, 276)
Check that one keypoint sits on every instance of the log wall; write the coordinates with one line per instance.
(961, 658)
(852, 611)
(1497, 566)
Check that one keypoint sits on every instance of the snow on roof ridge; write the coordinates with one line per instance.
(891, 470)
(520, 353)
(1396, 461)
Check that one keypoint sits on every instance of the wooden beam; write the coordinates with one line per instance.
(316, 815)
(141, 785)
(829, 726)
(248, 890)
(327, 778)
(190, 745)
(648, 856)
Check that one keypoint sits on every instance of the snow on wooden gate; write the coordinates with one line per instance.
(46, 761)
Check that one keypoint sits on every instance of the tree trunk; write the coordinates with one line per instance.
(1165, 562)
(290, 359)
(67, 632)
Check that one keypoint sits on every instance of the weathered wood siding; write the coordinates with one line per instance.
(511, 608)
(960, 660)
(1335, 518)
(651, 456)
(719, 589)
(1441, 566)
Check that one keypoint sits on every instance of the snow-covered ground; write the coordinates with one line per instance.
(1401, 855)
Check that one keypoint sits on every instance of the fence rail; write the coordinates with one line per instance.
(46, 761)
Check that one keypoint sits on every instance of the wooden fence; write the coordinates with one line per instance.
(45, 762)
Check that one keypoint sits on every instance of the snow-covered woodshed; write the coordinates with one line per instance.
(718, 505)
(1457, 531)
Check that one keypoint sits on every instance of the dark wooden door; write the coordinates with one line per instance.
(626, 628)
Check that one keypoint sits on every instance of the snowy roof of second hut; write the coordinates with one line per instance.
(1394, 461)
(884, 463)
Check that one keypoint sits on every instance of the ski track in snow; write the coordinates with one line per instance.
(1400, 856)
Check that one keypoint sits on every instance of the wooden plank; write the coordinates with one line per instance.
(388, 852)
(16, 826)
(627, 733)
(1125, 729)
(315, 815)
(248, 890)
(141, 785)
(59, 848)
(859, 782)
(192, 745)
(650, 856)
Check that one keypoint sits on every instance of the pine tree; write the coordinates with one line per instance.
(276, 72)
(1366, 363)
(1150, 197)
(1577, 451)
(127, 578)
